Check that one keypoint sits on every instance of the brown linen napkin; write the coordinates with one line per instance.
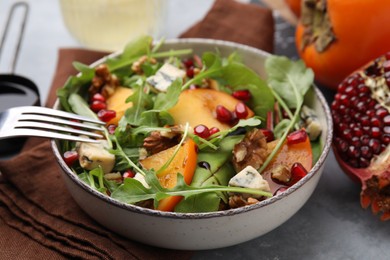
(38, 217)
(229, 20)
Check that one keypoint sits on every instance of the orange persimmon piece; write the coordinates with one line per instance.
(183, 163)
(117, 102)
(290, 154)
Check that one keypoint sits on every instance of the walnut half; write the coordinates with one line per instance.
(160, 141)
(252, 150)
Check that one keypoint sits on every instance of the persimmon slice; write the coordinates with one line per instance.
(184, 163)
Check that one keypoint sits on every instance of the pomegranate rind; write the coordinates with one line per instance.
(375, 182)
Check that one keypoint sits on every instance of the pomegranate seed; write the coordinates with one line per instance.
(366, 152)
(365, 120)
(347, 134)
(190, 72)
(381, 112)
(188, 63)
(341, 145)
(386, 120)
(193, 86)
(223, 114)
(386, 139)
(70, 157)
(365, 139)
(111, 129)
(106, 115)
(241, 110)
(214, 130)
(98, 97)
(353, 152)
(280, 190)
(128, 174)
(243, 95)
(355, 141)
(97, 105)
(269, 135)
(376, 132)
(363, 162)
(296, 137)
(375, 145)
(357, 132)
(297, 172)
(202, 131)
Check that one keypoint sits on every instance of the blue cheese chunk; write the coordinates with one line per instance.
(165, 76)
(249, 177)
(93, 155)
(311, 123)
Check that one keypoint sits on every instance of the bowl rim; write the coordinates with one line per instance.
(204, 215)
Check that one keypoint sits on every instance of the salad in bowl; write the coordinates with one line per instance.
(194, 133)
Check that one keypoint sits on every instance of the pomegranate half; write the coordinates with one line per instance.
(361, 115)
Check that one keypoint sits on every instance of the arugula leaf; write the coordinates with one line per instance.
(132, 191)
(141, 102)
(74, 83)
(165, 101)
(212, 68)
(89, 178)
(132, 52)
(218, 137)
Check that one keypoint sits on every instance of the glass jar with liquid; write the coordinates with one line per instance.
(109, 24)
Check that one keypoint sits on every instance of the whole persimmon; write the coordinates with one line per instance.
(335, 37)
(295, 6)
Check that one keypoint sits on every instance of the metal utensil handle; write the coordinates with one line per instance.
(21, 31)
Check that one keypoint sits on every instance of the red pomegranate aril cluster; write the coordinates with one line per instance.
(98, 102)
(226, 116)
(204, 132)
(361, 123)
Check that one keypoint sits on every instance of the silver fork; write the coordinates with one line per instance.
(49, 123)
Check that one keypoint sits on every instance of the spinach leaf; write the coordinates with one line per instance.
(204, 202)
(239, 76)
(290, 79)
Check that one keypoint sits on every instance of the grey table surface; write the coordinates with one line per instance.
(331, 225)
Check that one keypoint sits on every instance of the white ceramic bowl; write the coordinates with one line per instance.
(196, 231)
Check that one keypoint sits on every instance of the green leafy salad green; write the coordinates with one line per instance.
(192, 132)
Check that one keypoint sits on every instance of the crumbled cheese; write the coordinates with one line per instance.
(165, 76)
(91, 155)
(311, 123)
(249, 177)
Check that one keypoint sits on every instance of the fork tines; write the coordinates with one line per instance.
(46, 122)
